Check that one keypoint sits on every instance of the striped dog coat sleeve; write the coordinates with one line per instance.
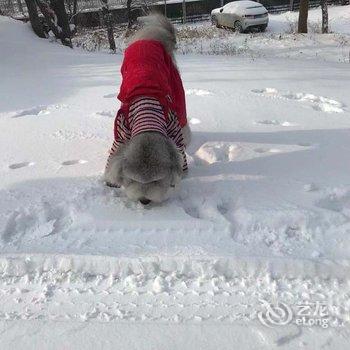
(145, 115)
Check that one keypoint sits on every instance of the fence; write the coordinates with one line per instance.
(18, 8)
(197, 10)
(294, 5)
(290, 6)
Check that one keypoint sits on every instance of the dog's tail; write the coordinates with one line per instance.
(157, 27)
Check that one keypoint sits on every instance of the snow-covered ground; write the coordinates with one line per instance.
(279, 40)
(262, 219)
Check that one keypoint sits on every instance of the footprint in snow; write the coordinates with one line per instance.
(218, 151)
(337, 200)
(192, 211)
(34, 111)
(221, 152)
(38, 221)
(311, 187)
(318, 103)
(274, 122)
(267, 150)
(20, 165)
(197, 92)
(73, 162)
(194, 121)
(304, 144)
(110, 95)
(108, 114)
(266, 91)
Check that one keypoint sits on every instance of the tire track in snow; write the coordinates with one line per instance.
(61, 288)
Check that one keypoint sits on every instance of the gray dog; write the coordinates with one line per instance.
(151, 132)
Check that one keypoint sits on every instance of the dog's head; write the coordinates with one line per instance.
(157, 27)
(148, 167)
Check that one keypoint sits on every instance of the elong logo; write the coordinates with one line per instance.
(281, 314)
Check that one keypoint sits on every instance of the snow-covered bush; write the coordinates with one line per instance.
(203, 39)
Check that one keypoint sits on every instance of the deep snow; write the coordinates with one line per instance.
(263, 214)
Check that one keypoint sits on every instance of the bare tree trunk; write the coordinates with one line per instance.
(108, 22)
(303, 14)
(324, 7)
(183, 11)
(128, 13)
(34, 19)
(10, 6)
(49, 17)
(55, 21)
(291, 5)
(75, 10)
(62, 21)
(20, 7)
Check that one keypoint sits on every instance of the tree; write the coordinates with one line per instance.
(75, 11)
(56, 19)
(62, 21)
(134, 8)
(303, 14)
(20, 7)
(108, 22)
(10, 6)
(324, 7)
(72, 6)
(291, 5)
(128, 13)
(35, 22)
(183, 11)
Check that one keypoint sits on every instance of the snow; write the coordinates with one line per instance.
(338, 19)
(263, 216)
(280, 39)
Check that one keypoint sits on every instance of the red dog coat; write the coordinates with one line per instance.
(148, 70)
(152, 96)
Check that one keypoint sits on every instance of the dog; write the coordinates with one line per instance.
(151, 133)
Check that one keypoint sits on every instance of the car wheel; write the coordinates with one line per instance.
(263, 27)
(238, 27)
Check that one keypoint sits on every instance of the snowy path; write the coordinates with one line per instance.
(263, 215)
(35, 287)
(57, 302)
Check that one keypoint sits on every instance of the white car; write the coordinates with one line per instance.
(241, 16)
